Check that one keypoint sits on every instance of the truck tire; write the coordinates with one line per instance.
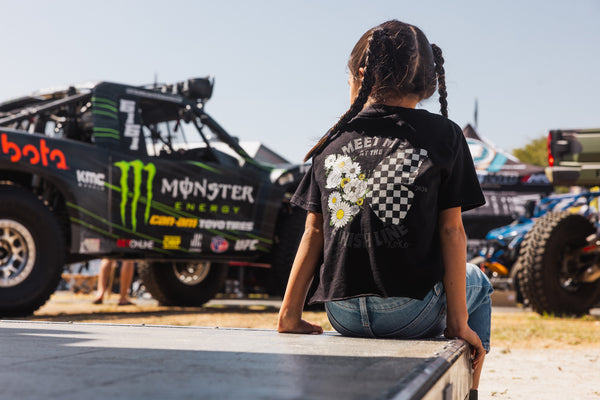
(183, 284)
(552, 264)
(516, 275)
(517, 272)
(290, 227)
(32, 252)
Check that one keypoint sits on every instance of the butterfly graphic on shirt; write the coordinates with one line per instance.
(387, 194)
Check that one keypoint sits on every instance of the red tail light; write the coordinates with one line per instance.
(549, 145)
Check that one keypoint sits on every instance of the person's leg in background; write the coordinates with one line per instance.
(103, 277)
(127, 270)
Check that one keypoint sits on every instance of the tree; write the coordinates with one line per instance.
(534, 152)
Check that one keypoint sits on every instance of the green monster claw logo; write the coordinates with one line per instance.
(137, 166)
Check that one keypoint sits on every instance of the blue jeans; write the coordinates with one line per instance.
(406, 318)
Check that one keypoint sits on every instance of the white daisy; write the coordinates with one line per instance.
(330, 161)
(334, 178)
(341, 215)
(341, 162)
(352, 169)
(354, 190)
(334, 199)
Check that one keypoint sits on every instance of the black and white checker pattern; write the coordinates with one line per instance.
(407, 163)
(387, 195)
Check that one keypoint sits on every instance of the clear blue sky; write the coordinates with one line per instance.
(280, 66)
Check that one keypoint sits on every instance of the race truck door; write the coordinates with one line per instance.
(179, 200)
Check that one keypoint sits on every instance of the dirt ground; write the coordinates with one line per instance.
(258, 314)
(532, 357)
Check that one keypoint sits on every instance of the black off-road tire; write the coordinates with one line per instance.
(516, 274)
(290, 227)
(517, 271)
(183, 284)
(549, 289)
(32, 252)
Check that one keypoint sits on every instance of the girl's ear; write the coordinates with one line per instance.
(361, 73)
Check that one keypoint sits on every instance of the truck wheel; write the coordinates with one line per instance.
(290, 227)
(553, 262)
(183, 284)
(31, 252)
(517, 272)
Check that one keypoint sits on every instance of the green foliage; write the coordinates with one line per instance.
(534, 152)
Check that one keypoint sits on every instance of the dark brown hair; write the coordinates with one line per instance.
(397, 60)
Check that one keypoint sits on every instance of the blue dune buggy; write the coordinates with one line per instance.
(503, 252)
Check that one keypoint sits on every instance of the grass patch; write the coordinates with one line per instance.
(530, 330)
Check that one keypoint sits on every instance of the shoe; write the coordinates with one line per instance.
(127, 303)
(473, 394)
(97, 301)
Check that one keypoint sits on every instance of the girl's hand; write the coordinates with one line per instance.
(303, 270)
(298, 326)
(467, 334)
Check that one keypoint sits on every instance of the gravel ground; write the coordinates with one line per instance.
(545, 373)
(541, 374)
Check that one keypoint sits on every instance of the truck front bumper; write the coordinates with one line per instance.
(586, 175)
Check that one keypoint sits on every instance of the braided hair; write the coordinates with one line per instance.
(362, 97)
(397, 60)
(441, 79)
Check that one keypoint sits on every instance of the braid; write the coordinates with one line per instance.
(441, 77)
(366, 86)
(362, 97)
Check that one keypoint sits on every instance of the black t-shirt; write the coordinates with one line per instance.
(380, 186)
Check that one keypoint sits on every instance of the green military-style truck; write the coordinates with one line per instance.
(574, 157)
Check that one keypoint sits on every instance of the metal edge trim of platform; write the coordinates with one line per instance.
(419, 383)
(141, 325)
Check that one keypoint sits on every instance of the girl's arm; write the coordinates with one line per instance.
(454, 244)
(290, 315)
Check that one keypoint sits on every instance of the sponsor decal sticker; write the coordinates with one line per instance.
(219, 244)
(208, 190)
(137, 167)
(41, 154)
(171, 242)
(136, 244)
(196, 243)
(206, 207)
(245, 244)
(90, 180)
(535, 179)
(167, 220)
(245, 226)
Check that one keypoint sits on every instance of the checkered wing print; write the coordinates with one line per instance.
(387, 195)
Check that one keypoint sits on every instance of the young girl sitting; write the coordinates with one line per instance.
(384, 198)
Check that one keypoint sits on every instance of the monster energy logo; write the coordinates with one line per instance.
(137, 167)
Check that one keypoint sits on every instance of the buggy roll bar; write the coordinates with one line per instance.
(29, 111)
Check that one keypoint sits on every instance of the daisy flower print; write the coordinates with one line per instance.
(349, 188)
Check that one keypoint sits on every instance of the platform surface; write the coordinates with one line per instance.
(42, 360)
